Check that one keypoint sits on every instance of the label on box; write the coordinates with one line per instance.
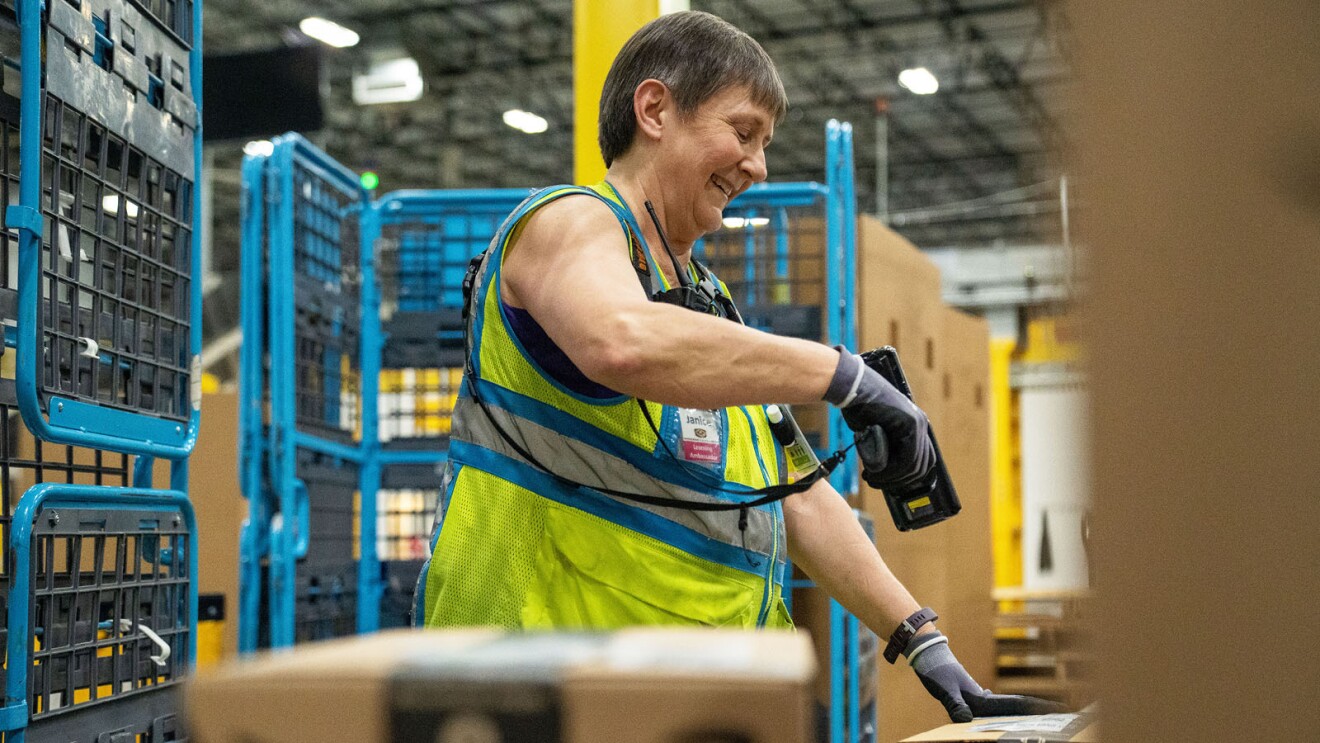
(479, 709)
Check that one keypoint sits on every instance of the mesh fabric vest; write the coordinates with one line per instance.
(519, 547)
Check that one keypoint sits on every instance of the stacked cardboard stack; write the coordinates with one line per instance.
(1043, 645)
(945, 355)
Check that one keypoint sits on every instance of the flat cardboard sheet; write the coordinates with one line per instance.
(1079, 728)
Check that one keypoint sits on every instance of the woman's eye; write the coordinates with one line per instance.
(743, 136)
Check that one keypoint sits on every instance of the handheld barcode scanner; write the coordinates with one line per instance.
(935, 499)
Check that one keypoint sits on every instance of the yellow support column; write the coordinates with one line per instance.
(1005, 477)
(1047, 342)
(600, 28)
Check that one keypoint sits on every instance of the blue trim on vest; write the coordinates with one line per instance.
(557, 420)
(495, 268)
(781, 570)
(531, 360)
(596, 504)
(625, 215)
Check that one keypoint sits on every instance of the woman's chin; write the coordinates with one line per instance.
(711, 224)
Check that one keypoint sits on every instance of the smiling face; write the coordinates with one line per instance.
(709, 157)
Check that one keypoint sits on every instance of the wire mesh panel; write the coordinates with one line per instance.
(421, 262)
(254, 403)
(109, 605)
(117, 167)
(326, 589)
(776, 263)
(96, 266)
(98, 584)
(327, 292)
(26, 461)
(9, 174)
(102, 610)
(426, 241)
(313, 292)
(422, 259)
(116, 270)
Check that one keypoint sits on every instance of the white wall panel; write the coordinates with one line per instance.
(1055, 486)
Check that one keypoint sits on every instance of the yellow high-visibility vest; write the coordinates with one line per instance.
(518, 547)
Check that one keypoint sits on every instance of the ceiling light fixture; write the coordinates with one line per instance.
(525, 121)
(738, 223)
(110, 204)
(259, 148)
(396, 80)
(329, 32)
(919, 80)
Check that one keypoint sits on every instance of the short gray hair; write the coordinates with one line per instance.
(696, 55)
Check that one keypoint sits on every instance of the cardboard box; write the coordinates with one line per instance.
(1083, 729)
(964, 436)
(945, 356)
(219, 504)
(638, 685)
(899, 304)
(1201, 224)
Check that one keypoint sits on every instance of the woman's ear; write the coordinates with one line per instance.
(652, 105)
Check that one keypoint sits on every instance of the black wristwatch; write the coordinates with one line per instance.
(906, 630)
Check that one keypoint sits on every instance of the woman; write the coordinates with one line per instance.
(601, 416)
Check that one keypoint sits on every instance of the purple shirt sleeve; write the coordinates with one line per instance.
(550, 357)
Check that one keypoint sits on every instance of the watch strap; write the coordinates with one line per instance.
(906, 629)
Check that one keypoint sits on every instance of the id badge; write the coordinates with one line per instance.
(700, 438)
(801, 459)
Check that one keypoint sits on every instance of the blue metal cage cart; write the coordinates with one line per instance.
(412, 369)
(110, 151)
(787, 252)
(98, 375)
(254, 404)
(301, 412)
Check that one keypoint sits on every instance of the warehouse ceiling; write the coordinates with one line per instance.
(972, 165)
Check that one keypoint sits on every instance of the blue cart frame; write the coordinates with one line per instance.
(140, 104)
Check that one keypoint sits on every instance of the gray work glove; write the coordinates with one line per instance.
(963, 698)
(892, 438)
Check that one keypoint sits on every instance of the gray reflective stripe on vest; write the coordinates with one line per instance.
(578, 461)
